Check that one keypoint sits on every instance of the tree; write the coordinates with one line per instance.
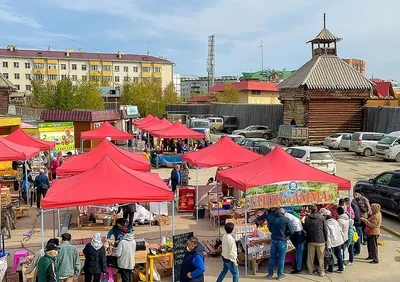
(170, 96)
(63, 95)
(88, 96)
(42, 95)
(229, 95)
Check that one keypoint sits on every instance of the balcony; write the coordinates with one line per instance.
(94, 73)
(157, 74)
(52, 71)
(106, 73)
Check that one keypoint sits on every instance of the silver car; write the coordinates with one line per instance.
(254, 131)
(238, 139)
(364, 143)
(333, 141)
(345, 142)
(319, 158)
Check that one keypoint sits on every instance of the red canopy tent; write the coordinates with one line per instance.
(177, 130)
(152, 122)
(143, 120)
(22, 138)
(164, 123)
(223, 153)
(106, 130)
(84, 162)
(275, 167)
(10, 151)
(107, 183)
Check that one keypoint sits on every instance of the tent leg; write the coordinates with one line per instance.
(54, 224)
(81, 145)
(159, 219)
(219, 222)
(59, 224)
(350, 209)
(173, 233)
(42, 226)
(26, 182)
(197, 195)
(245, 237)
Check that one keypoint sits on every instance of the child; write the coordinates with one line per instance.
(350, 242)
(229, 254)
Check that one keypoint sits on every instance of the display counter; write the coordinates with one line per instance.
(167, 160)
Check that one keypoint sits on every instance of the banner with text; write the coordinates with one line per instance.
(292, 193)
(62, 133)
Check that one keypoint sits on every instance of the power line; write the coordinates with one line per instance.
(48, 30)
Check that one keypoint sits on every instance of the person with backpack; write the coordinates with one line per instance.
(350, 242)
(42, 185)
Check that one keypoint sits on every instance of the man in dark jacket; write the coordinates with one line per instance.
(46, 267)
(314, 227)
(281, 230)
(42, 185)
(95, 259)
(192, 268)
(175, 177)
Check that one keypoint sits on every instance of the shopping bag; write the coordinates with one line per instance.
(355, 237)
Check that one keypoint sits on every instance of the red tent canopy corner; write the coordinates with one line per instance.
(20, 137)
(143, 120)
(164, 123)
(106, 130)
(177, 130)
(10, 151)
(275, 167)
(151, 122)
(223, 153)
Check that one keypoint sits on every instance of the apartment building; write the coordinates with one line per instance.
(359, 65)
(20, 66)
(199, 85)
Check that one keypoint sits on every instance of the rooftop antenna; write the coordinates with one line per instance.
(324, 20)
(148, 48)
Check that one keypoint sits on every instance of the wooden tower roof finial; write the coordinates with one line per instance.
(324, 20)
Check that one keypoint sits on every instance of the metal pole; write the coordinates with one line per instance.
(159, 219)
(26, 183)
(219, 221)
(197, 195)
(42, 226)
(54, 224)
(173, 233)
(81, 145)
(350, 209)
(245, 236)
(59, 223)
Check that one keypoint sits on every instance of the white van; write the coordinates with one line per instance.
(389, 147)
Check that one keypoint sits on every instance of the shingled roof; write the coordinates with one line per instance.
(327, 72)
(325, 36)
(80, 115)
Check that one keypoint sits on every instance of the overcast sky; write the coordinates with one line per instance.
(179, 30)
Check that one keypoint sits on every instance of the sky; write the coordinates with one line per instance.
(178, 30)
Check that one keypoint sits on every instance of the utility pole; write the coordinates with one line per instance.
(262, 55)
(211, 61)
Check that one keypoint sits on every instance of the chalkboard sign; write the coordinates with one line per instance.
(179, 242)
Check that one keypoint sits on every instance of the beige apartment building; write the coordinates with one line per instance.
(20, 66)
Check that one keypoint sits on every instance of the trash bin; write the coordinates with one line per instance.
(107, 221)
(202, 212)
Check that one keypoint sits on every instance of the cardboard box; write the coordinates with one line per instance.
(163, 220)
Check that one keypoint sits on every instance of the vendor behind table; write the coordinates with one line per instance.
(119, 230)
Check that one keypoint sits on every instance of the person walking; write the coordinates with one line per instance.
(175, 177)
(350, 242)
(128, 213)
(185, 174)
(373, 228)
(126, 257)
(192, 267)
(314, 227)
(46, 266)
(280, 229)
(55, 163)
(68, 263)
(42, 185)
(297, 239)
(335, 240)
(229, 254)
(95, 259)
(344, 222)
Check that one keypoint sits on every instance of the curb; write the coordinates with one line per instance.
(391, 231)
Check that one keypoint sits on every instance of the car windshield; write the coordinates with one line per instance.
(335, 135)
(248, 128)
(260, 143)
(200, 124)
(388, 140)
(320, 156)
(237, 139)
(346, 137)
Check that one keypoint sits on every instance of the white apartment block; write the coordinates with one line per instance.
(198, 85)
(20, 66)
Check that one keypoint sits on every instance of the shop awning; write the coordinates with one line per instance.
(177, 130)
(223, 153)
(104, 131)
(276, 167)
(164, 123)
(81, 163)
(143, 120)
(22, 138)
(10, 151)
(106, 183)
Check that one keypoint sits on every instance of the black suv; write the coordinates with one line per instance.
(384, 190)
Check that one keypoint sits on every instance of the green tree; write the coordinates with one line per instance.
(88, 96)
(170, 96)
(42, 96)
(229, 95)
(63, 95)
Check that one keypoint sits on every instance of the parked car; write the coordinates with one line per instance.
(345, 142)
(333, 141)
(364, 143)
(257, 145)
(389, 147)
(224, 123)
(317, 157)
(236, 138)
(255, 131)
(384, 190)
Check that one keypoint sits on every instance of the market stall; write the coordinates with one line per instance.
(81, 163)
(143, 121)
(20, 137)
(278, 180)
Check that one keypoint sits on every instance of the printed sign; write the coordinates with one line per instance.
(132, 110)
(62, 133)
(292, 193)
(180, 250)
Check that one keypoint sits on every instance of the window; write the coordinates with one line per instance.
(94, 67)
(74, 77)
(84, 68)
(289, 151)
(28, 76)
(63, 66)
(107, 78)
(383, 179)
(63, 76)
(73, 66)
(158, 69)
(321, 156)
(135, 69)
(16, 65)
(107, 68)
(53, 87)
(5, 75)
(52, 66)
(39, 76)
(5, 64)
(116, 68)
(261, 143)
(125, 69)
(27, 65)
(17, 86)
(116, 79)
(84, 77)
(126, 78)
(135, 79)
(95, 78)
(52, 77)
(39, 66)
(255, 92)
(296, 153)
(395, 181)
(146, 79)
(367, 137)
(377, 137)
(262, 128)
(16, 75)
(28, 87)
(146, 69)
